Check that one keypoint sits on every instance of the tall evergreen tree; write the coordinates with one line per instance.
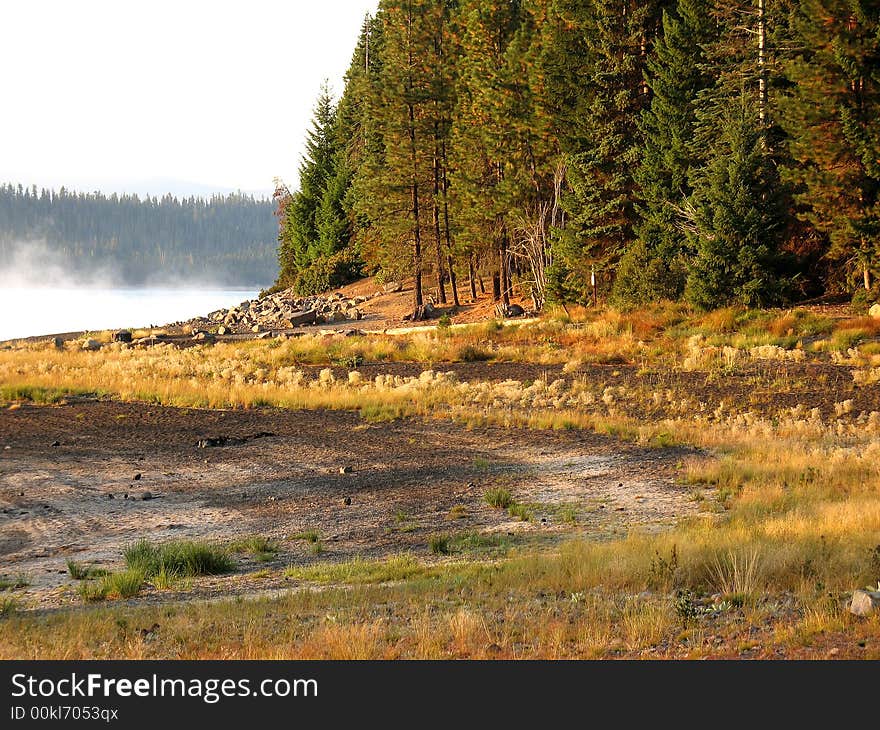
(299, 237)
(737, 219)
(606, 93)
(832, 117)
(654, 266)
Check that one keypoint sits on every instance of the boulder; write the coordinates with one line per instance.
(864, 603)
(353, 313)
(58, 343)
(122, 336)
(874, 311)
(392, 287)
(91, 345)
(203, 337)
(299, 319)
(337, 316)
(221, 330)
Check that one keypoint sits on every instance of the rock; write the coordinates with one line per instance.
(338, 316)
(58, 343)
(91, 345)
(221, 330)
(203, 337)
(345, 470)
(392, 286)
(300, 319)
(147, 496)
(875, 311)
(264, 335)
(864, 603)
(122, 336)
(354, 313)
(256, 329)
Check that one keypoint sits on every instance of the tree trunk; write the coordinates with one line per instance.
(866, 273)
(441, 275)
(453, 280)
(472, 276)
(496, 286)
(418, 300)
(503, 270)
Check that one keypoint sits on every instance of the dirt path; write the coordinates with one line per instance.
(279, 474)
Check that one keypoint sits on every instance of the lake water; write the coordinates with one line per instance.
(39, 311)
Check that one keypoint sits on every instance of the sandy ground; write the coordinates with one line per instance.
(279, 474)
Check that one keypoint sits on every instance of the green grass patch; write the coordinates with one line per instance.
(36, 394)
(311, 536)
(470, 542)
(125, 584)
(439, 544)
(381, 413)
(84, 572)
(183, 557)
(361, 572)
(255, 545)
(499, 498)
(14, 583)
(8, 606)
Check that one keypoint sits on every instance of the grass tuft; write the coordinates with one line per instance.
(499, 498)
(183, 558)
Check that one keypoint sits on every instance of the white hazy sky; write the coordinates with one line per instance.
(116, 94)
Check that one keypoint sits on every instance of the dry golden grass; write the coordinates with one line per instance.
(792, 526)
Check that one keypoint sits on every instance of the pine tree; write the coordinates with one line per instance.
(299, 239)
(397, 182)
(603, 96)
(737, 219)
(482, 148)
(654, 266)
(832, 117)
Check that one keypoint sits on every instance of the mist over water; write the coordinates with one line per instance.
(39, 298)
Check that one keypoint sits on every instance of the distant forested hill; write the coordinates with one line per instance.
(229, 240)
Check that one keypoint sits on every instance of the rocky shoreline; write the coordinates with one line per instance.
(277, 312)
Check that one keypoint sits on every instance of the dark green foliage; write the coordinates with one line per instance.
(530, 144)
(314, 235)
(653, 266)
(736, 220)
(831, 113)
(225, 240)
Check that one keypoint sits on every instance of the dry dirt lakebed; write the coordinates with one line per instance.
(73, 479)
